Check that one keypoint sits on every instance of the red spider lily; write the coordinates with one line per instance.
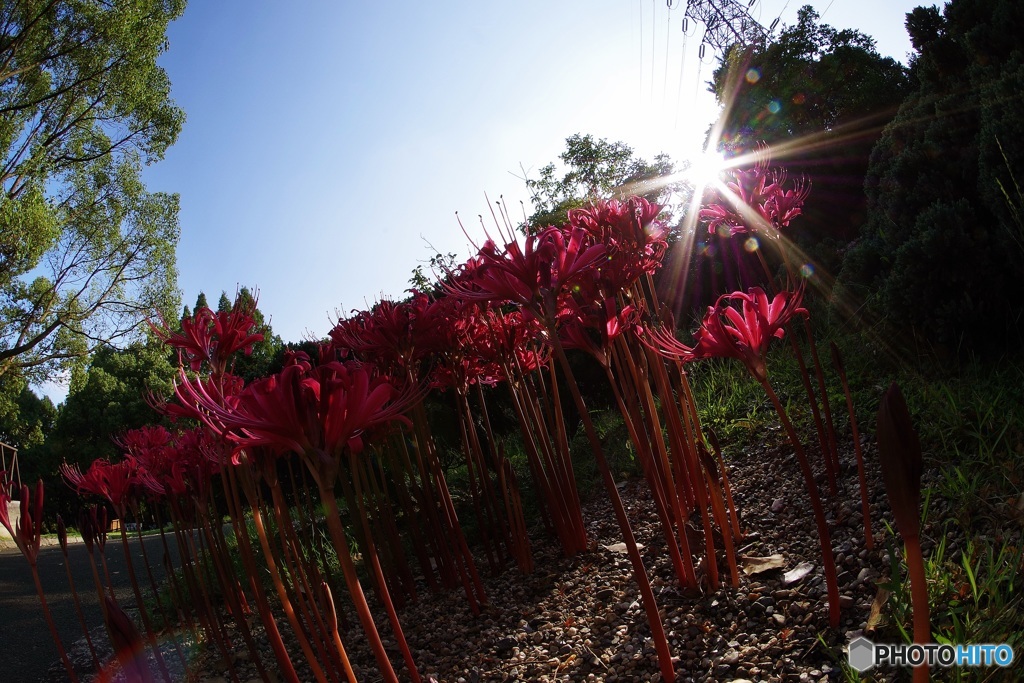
(609, 323)
(182, 462)
(145, 444)
(900, 454)
(756, 195)
(319, 411)
(396, 336)
(114, 482)
(635, 242)
(745, 333)
(129, 649)
(214, 337)
(27, 532)
(632, 221)
(507, 338)
(533, 275)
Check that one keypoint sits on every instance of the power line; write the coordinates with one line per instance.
(668, 48)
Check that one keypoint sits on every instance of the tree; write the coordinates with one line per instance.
(25, 419)
(108, 399)
(822, 95)
(942, 251)
(86, 252)
(595, 169)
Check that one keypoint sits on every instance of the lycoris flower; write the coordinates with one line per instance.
(532, 276)
(744, 333)
(316, 412)
(214, 337)
(756, 200)
(28, 531)
(114, 482)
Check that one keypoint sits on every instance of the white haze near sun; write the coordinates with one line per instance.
(327, 144)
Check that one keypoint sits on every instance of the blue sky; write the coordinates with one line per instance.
(327, 143)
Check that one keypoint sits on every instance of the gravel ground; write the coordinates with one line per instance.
(579, 619)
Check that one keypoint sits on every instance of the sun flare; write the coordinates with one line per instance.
(705, 169)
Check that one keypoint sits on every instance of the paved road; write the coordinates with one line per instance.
(26, 648)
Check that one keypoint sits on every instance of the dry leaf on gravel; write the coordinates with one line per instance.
(875, 617)
(757, 565)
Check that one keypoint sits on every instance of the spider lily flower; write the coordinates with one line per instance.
(609, 323)
(745, 332)
(756, 196)
(114, 482)
(634, 240)
(532, 276)
(317, 412)
(214, 337)
(28, 530)
(632, 222)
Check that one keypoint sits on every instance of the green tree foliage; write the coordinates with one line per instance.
(428, 283)
(943, 249)
(86, 252)
(595, 169)
(820, 96)
(109, 400)
(25, 418)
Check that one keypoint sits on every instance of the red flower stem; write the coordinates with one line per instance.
(699, 489)
(516, 523)
(187, 561)
(869, 539)
(570, 516)
(564, 462)
(81, 615)
(302, 591)
(198, 588)
(231, 588)
(501, 521)
(156, 594)
(918, 600)
(665, 486)
(230, 483)
(402, 467)
(549, 509)
(474, 465)
(685, 572)
(639, 572)
(184, 613)
(378, 574)
(249, 488)
(734, 517)
(831, 464)
(826, 409)
(386, 521)
(143, 612)
(462, 558)
(824, 538)
(446, 561)
(49, 622)
(355, 590)
(819, 426)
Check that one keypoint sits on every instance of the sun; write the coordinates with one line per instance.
(705, 169)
